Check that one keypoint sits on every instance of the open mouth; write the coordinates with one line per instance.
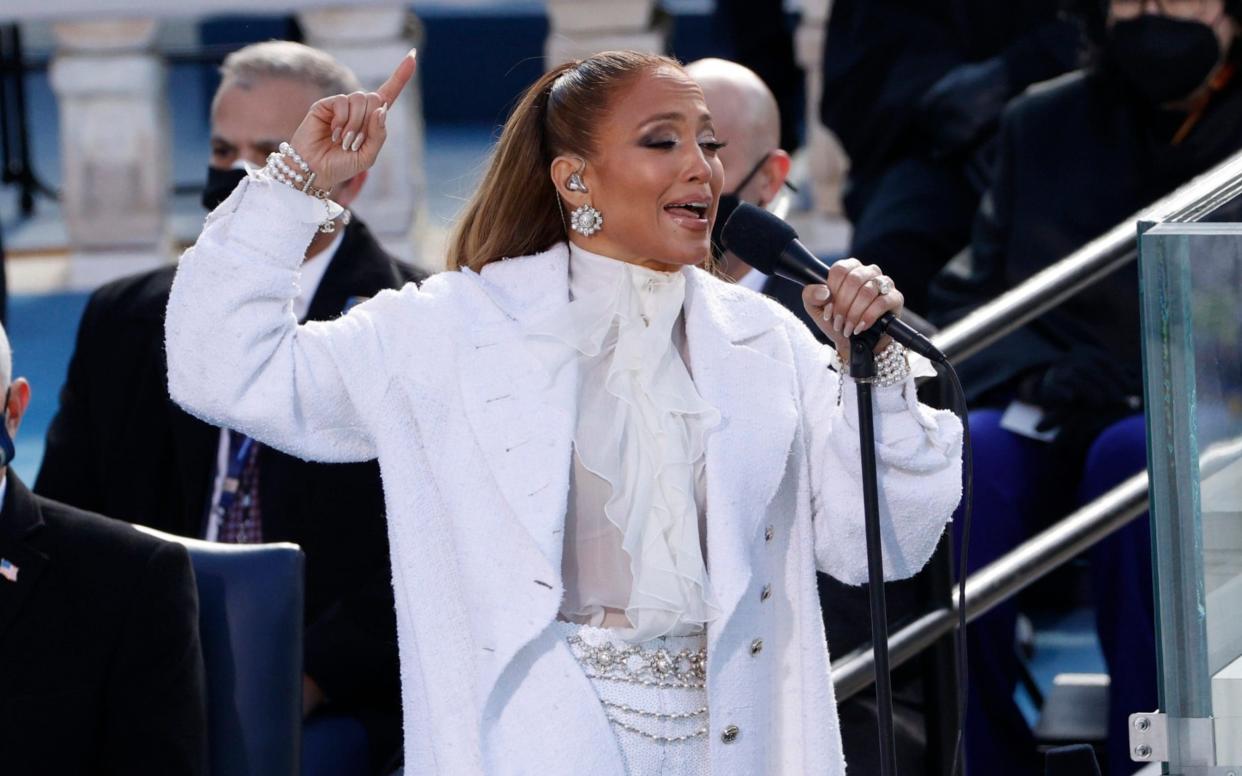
(696, 210)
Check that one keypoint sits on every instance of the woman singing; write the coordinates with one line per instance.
(610, 476)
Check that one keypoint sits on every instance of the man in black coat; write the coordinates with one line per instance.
(120, 446)
(101, 671)
(913, 89)
(1076, 157)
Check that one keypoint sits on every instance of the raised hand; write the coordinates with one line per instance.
(342, 135)
(854, 298)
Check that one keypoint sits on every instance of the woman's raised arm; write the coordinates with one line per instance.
(236, 354)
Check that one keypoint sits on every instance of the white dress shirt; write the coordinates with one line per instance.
(754, 280)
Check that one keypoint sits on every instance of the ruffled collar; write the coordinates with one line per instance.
(642, 427)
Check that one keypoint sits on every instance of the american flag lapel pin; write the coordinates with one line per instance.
(8, 570)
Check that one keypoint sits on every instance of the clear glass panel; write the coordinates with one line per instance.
(1192, 325)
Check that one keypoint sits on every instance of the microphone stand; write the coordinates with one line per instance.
(862, 369)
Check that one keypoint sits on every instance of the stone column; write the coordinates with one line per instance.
(579, 28)
(371, 40)
(827, 160)
(115, 147)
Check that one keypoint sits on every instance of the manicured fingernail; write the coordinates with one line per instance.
(358, 142)
(383, 114)
(820, 293)
(828, 313)
(838, 322)
(336, 135)
(859, 328)
(349, 136)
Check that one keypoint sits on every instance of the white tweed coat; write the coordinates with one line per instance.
(474, 441)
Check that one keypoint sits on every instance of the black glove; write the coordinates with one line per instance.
(1083, 394)
(964, 105)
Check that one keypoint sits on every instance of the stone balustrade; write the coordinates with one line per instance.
(116, 152)
(110, 84)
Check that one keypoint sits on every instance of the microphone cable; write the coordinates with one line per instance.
(968, 462)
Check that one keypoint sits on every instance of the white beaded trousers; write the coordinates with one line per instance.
(653, 695)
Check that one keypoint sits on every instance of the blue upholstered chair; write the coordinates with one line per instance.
(250, 617)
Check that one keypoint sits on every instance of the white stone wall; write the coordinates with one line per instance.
(109, 81)
(115, 147)
(579, 28)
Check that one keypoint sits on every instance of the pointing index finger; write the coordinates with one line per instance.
(390, 90)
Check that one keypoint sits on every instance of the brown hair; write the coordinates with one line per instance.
(515, 211)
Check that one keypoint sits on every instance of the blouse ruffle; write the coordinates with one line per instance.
(642, 428)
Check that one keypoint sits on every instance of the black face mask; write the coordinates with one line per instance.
(725, 207)
(1161, 58)
(220, 184)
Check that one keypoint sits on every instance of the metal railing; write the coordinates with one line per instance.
(1087, 265)
(1003, 579)
(1085, 527)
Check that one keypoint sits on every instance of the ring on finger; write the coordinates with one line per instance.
(882, 284)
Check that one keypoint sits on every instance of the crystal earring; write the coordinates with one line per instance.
(575, 183)
(586, 220)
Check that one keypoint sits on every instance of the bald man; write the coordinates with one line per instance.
(745, 114)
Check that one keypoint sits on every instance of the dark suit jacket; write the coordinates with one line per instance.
(119, 446)
(101, 671)
(883, 56)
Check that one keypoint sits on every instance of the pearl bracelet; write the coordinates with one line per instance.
(892, 367)
(303, 180)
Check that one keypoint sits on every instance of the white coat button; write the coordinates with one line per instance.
(765, 593)
(768, 533)
(730, 734)
(756, 647)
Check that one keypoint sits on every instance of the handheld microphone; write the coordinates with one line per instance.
(771, 246)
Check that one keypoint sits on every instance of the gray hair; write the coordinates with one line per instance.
(6, 361)
(288, 60)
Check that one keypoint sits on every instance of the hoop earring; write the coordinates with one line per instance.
(586, 220)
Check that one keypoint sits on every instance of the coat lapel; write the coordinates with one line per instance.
(522, 417)
(730, 333)
(20, 519)
(521, 413)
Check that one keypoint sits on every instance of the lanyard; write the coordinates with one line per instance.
(232, 478)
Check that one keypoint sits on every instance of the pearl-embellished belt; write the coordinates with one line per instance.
(657, 667)
(672, 664)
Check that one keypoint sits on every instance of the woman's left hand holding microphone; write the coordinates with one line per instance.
(852, 299)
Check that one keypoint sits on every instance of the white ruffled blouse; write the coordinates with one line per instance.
(635, 536)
